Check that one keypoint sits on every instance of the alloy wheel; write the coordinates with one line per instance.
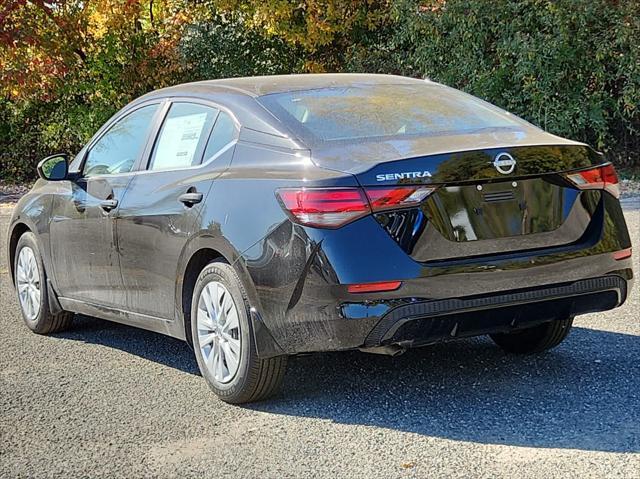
(28, 283)
(219, 337)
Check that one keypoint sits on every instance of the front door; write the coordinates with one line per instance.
(161, 208)
(83, 236)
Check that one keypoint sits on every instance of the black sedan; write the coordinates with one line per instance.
(258, 218)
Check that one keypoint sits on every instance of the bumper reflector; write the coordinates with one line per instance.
(622, 254)
(374, 287)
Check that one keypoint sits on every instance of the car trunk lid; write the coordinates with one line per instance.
(488, 201)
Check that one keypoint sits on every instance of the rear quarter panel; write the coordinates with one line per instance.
(243, 220)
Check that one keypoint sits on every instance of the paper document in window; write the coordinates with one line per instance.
(179, 141)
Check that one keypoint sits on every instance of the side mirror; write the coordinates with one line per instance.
(54, 168)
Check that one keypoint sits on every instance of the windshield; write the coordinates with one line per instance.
(370, 111)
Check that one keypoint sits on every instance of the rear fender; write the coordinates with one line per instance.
(265, 343)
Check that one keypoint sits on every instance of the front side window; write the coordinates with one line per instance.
(183, 135)
(119, 148)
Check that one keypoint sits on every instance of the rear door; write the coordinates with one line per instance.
(83, 247)
(161, 208)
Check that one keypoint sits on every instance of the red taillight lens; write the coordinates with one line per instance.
(602, 178)
(383, 198)
(334, 207)
(324, 207)
(374, 287)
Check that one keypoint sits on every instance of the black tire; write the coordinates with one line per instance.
(256, 379)
(535, 339)
(45, 322)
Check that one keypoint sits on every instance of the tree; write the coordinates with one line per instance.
(325, 29)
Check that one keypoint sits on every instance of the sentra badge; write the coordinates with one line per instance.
(403, 176)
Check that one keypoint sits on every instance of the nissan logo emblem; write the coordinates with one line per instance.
(504, 163)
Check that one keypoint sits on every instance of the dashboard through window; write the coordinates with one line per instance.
(119, 148)
(183, 135)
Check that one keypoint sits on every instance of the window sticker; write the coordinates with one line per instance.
(179, 141)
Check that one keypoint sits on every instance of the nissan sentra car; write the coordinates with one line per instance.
(258, 218)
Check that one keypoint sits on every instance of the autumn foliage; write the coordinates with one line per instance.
(571, 66)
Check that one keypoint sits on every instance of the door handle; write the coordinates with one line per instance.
(190, 199)
(81, 206)
(108, 205)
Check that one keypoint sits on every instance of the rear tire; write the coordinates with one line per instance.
(30, 279)
(223, 340)
(535, 339)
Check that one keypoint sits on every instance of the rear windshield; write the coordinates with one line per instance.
(371, 111)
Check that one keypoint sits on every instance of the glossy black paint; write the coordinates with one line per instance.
(124, 247)
(85, 234)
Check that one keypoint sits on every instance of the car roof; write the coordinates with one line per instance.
(265, 85)
(239, 94)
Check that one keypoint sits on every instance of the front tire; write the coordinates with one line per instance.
(535, 339)
(223, 339)
(30, 279)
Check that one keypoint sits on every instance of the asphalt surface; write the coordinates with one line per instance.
(106, 400)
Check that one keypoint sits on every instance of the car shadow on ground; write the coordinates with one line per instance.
(585, 394)
(155, 347)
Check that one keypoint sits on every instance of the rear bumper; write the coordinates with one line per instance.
(426, 322)
(416, 321)
(303, 299)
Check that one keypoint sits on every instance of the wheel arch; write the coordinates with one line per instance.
(32, 214)
(17, 230)
(199, 252)
(198, 260)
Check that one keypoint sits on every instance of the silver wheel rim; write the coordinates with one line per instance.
(219, 337)
(28, 283)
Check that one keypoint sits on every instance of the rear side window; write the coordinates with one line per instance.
(119, 148)
(384, 110)
(223, 133)
(183, 136)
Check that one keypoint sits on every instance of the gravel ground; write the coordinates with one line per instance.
(12, 193)
(630, 187)
(105, 400)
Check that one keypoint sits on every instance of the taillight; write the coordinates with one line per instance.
(334, 207)
(601, 178)
(324, 207)
(384, 198)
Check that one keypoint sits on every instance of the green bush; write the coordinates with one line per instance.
(223, 47)
(218, 47)
(570, 66)
(32, 130)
